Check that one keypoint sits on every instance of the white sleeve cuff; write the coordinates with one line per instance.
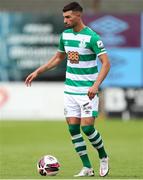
(61, 51)
(101, 53)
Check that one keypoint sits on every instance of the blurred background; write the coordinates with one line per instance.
(29, 36)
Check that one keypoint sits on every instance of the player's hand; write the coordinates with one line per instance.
(30, 78)
(92, 92)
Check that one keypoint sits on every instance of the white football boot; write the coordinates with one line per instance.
(85, 172)
(104, 167)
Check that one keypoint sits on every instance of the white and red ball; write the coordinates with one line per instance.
(48, 166)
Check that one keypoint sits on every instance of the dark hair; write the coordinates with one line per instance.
(73, 6)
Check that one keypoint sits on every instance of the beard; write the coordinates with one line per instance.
(69, 26)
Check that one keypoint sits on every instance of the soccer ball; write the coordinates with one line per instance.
(48, 166)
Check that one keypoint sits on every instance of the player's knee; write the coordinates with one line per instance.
(88, 129)
(74, 129)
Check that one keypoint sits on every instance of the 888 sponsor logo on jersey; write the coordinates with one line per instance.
(73, 57)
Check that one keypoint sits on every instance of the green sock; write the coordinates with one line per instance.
(79, 144)
(95, 139)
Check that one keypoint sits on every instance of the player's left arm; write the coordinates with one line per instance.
(101, 76)
(97, 46)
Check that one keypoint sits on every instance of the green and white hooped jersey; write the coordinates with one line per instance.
(84, 47)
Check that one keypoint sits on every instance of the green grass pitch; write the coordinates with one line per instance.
(22, 143)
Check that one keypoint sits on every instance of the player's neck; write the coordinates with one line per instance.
(79, 27)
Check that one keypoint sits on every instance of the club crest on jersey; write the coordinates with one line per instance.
(100, 44)
(82, 44)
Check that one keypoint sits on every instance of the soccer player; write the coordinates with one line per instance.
(80, 46)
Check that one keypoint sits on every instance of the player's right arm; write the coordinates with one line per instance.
(53, 62)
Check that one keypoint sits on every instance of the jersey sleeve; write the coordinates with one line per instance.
(97, 45)
(61, 44)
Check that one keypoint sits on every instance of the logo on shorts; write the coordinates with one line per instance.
(65, 111)
(87, 108)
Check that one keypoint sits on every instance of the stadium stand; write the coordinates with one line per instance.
(48, 6)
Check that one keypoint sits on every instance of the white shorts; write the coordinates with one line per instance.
(80, 106)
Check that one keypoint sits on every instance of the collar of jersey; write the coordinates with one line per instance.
(74, 32)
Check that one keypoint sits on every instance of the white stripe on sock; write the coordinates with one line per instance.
(93, 135)
(97, 141)
(79, 144)
(77, 136)
(81, 153)
(100, 146)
